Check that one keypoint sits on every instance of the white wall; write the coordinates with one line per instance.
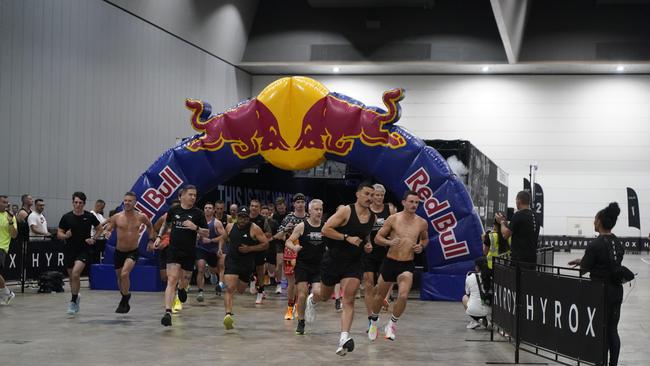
(90, 96)
(590, 135)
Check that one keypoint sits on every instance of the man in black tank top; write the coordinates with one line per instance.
(347, 235)
(309, 251)
(23, 214)
(372, 261)
(245, 239)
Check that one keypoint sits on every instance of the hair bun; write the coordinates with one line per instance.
(612, 210)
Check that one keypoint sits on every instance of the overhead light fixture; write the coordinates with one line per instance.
(485, 68)
(336, 69)
(620, 68)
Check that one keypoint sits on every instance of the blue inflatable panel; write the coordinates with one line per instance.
(445, 287)
(454, 268)
(143, 278)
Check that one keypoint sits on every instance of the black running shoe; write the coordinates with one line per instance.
(120, 308)
(300, 329)
(337, 304)
(166, 320)
(182, 295)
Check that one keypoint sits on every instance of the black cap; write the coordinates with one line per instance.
(243, 211)
(298, 197)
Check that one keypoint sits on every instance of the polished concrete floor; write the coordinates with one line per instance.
(34, 330)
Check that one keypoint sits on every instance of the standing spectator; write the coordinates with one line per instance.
(14, 210)
(602, 256)
(233, 213)
(37, 222)
(99, 214)
(74, 228)
(24, 212)
(8, 231)
(522, 232)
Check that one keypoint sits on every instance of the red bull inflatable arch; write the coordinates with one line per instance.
(296, 123)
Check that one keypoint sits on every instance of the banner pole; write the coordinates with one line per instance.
(23, 271)
(517, 310)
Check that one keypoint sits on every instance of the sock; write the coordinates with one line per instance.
(260, 289)
(168, 311)
(74, 298)
(290, 302)
(126, 298)
(200, 290)
(301, 321)
(374, 317)
(344, 337)
(228, 313)
(393, 318)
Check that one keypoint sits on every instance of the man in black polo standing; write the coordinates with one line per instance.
(524, 232)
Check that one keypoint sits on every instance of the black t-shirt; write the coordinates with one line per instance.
(237, 237)
(262, 222)
(80, 227)
(341, 249)
(312, 245)
(524, 236)
(180, 236)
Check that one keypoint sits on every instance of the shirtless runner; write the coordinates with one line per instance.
(404, 233)
(128, 224)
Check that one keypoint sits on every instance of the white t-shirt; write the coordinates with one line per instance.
(475, 306)
(37, 219)
(101, 219)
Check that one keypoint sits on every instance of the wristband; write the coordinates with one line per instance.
(345, 237)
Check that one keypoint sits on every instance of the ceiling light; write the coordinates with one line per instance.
(336, 69)
(620, 68)
(485, 69)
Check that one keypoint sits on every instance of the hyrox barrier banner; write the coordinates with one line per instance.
(576, 242)
(41, 256)
(563, 314)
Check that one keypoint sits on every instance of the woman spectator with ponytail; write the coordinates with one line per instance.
(478, 294)
(602, 256)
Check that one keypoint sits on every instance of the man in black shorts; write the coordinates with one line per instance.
(260, 220)
(208, 248)
(372, 261)
(185, 221)
(127, 224)
(405, 234)
(309, 251)
(348, 235)
(245, 239)
(74, 228)
(278, 242)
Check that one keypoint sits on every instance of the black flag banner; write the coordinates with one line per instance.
(527, 185)
(633, 218)
(539, 204)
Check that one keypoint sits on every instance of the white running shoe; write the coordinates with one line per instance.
(258, 299)
(389, 331)
(7, 299)
(310, 309)
(345, 346)
(473, 324)
(278, 289)
(252, 288)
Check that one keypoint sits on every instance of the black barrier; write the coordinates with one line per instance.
(26, 261)
(563, 242)
(552, 309)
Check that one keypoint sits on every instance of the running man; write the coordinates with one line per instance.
(128, 224)
(372, 261)
(348, 234)
(309, 251)
(404, 233)
(208, 249)
(185, 221)
(260, 220)
(245, 239)
(289, 222)
(74, 228)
